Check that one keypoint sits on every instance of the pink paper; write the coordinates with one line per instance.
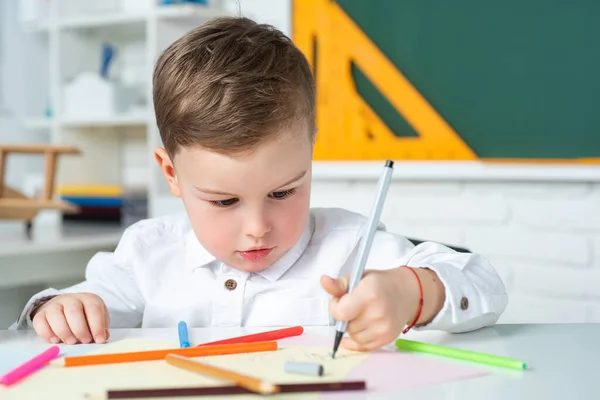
(389, 371)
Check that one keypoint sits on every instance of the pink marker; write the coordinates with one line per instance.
(30, 366)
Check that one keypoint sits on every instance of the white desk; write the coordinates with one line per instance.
(563, 359)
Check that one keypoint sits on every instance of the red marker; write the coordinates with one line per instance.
(261, 337)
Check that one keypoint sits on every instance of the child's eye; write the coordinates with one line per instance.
(282, 195)
(224, 203)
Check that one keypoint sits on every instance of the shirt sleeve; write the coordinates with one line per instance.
(109, 275)
(475, 293)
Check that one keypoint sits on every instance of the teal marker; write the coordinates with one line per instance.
(184, 341)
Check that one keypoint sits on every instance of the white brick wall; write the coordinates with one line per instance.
(543, 237)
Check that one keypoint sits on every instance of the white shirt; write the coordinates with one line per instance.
(160, 274)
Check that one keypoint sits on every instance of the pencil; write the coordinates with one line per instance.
(261, 337)
(365, 246)
(467, 355)
(254, 385)
(161, 354)
(225, 390)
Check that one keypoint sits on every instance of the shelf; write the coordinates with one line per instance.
(37, 26)
(98, 20)
(105, 122)
(54, 239)
(37, 123)
(173, 12)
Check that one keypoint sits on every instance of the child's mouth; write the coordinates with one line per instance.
(255, 254)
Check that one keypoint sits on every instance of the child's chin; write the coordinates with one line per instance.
(253, 266)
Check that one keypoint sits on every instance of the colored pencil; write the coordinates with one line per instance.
(29, 367)
(226, 390)
(254, 385)
(184, 340)
(467, 355)
(261, 337)
(161, 354)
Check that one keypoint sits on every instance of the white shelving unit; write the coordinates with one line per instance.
(65, 41)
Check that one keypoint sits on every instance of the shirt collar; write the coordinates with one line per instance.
(197, 256)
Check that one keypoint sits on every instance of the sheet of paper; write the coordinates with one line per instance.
(390, 371)
(75, 382)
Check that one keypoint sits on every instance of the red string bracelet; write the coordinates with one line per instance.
(420, 301)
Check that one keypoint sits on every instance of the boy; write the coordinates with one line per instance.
(235, 103)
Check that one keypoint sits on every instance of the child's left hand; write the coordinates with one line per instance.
(379, 308)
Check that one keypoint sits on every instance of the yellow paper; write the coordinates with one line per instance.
(54, 383)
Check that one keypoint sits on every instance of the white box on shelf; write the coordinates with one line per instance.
(91, 96)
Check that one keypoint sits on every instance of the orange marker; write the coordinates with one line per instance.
(162, 354)
(261, 337)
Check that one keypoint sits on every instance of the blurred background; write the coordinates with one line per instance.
(489, 110)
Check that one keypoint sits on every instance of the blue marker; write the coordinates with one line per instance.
(184, 341)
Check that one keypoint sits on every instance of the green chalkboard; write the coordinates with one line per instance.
(515, 79)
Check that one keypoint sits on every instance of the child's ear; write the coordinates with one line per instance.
(168, 170)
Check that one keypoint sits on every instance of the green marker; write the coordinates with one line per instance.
(482, 358)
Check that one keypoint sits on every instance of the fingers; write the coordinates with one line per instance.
(368, 334)
(372, 337)
(365, 337)
(42, 328)
(359, 324)
(350, 344)
(335, 287)
(58, 323)
(77, 321)
(365, 334)
(374, 312)
(96, 315)
(107, 322)
(349, 306)
(73, 318)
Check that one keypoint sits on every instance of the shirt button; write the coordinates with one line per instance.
(464, 303)
(230, 284)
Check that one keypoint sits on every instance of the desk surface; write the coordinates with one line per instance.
(562, 358)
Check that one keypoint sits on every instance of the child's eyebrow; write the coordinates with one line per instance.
(217, 192)
(294, 179)
(220, 193)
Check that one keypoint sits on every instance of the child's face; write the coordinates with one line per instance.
(247, 211)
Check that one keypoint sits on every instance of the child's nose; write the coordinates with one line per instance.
(257, 225)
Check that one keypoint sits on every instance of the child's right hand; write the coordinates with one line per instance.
(72, 318)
